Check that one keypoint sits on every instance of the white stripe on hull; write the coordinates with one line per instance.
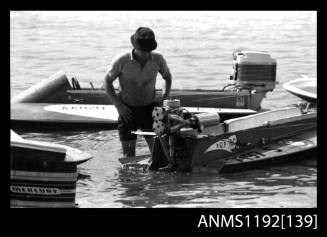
(20, 203)
(42, 176)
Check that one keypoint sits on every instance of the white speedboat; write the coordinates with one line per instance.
(305, 88)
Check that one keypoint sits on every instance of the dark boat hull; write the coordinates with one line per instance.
(82, 107)
(294, 148)
(298, 156)
(274, 153)
(43, 174)
(58, 90)
(242, 142)
(35, 116)
(41, 179)
(46, 116)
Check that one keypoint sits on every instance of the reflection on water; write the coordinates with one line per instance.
(103, 183)
(198, 47)
(269, 187)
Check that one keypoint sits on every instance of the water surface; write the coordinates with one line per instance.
(198, 47)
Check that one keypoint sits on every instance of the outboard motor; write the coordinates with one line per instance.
(171, 118)
(254, 69)
(169, 153)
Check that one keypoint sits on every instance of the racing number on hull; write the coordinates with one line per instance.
(227, 144)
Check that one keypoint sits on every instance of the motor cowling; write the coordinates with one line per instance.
(254, 69)
(169, 151)
(204, 120)
(171, 118)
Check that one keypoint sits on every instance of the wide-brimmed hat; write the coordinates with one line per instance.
(144, 39)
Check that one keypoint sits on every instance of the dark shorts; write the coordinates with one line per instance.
(141, 119)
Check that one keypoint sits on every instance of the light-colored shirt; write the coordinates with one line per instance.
(137, 84)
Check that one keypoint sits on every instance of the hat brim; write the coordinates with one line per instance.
(144, 44)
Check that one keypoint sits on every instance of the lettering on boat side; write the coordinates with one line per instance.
(108, 112)
(83, 107)
(37, 190)
(227, 144)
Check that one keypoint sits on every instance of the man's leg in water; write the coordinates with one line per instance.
(128, 148)
(127, 139)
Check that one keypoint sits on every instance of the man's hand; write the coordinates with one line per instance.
(124, 112)
(160, 100)
(122, 109)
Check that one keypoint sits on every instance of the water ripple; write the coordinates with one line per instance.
(198, 47)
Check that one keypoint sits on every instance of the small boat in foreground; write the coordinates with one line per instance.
(43, 174)
(60, 102)
(304, 88)
(188, 142)
(293, 148)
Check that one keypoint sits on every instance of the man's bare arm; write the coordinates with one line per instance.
(167, 87)
(123, 110)
(109, 88)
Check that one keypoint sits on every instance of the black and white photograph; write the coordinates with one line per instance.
(164, 109)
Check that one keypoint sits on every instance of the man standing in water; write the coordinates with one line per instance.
(137, 71)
